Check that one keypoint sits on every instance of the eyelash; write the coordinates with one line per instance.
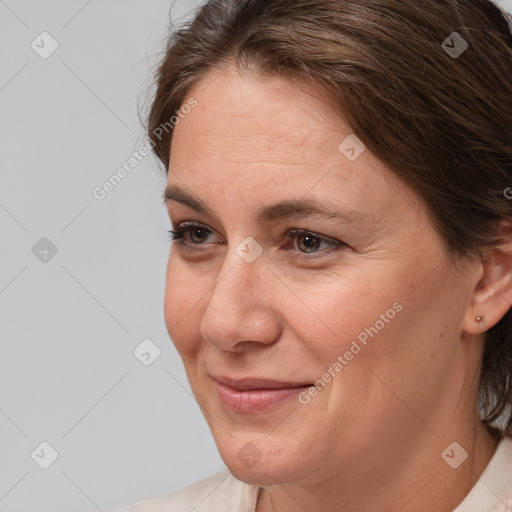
(178, 237)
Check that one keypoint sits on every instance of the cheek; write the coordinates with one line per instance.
(405, 363)
(379, 332)
(184, 301)
(341, 311)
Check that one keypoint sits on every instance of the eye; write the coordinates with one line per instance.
(196, 232)
(190, 235)
(309, 243)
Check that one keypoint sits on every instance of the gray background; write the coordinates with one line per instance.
(70, 321)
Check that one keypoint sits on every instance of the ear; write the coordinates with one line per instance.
(492, 295)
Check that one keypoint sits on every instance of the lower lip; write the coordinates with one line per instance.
(255, 400)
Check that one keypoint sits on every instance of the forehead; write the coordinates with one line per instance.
(250, 137)
(264, 113)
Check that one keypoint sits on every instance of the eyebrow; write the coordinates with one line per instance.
(281, 210)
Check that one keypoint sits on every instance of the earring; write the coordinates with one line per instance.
(479, 318)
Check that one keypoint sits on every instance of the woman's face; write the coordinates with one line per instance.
(361, 303)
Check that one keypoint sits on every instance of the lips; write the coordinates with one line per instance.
(256, 394)
(249, 383)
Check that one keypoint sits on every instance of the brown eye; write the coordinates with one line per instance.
(197, 234)
(187, 231)
(308, 243)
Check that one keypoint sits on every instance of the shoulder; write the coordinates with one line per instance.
(500, 467)
(219, 490)
(493, 490)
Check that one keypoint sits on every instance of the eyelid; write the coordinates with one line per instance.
(185, 227)
(292, 232)
(336, 245)
(287, 227)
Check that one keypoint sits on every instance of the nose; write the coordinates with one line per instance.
(242, 311)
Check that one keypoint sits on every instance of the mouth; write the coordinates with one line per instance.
(256, 394)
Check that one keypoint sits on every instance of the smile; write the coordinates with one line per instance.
(255, 395)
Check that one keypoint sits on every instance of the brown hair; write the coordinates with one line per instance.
(441, 121)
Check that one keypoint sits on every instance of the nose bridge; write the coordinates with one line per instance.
(243, 270)
(237, 310)
(236, 287)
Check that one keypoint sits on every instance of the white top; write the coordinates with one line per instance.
(222, 492)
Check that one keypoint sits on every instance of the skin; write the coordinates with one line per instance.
(372, 439)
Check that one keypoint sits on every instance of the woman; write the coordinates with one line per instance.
(340, 281)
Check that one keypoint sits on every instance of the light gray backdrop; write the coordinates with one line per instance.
(85, 424)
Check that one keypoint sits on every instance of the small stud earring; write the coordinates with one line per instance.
(479, 318)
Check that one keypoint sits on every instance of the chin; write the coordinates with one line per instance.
(261, 475)
(260, 468)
